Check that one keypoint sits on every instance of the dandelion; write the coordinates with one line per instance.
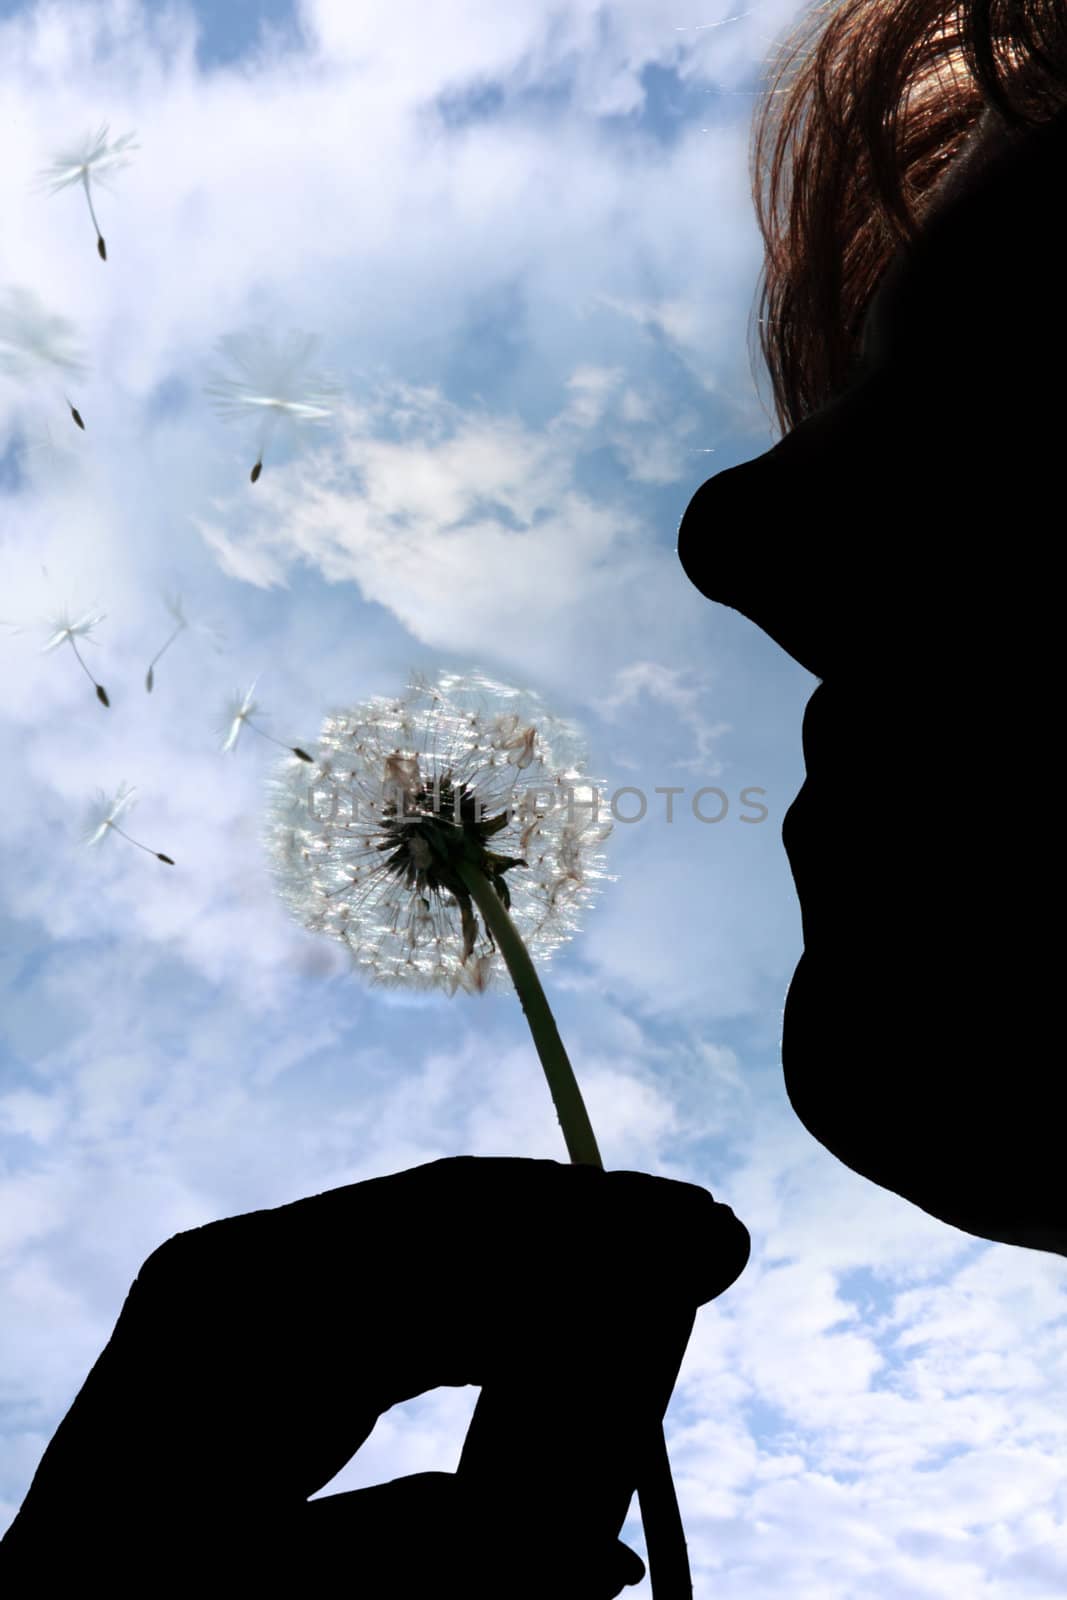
(176, 607)
(404, 786)
(446, 837)
(95, 158)
(32, 338)
(64, 630)
(101, 820)
(240, 708)
(274, 386)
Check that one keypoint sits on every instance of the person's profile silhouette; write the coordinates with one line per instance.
(894, 542)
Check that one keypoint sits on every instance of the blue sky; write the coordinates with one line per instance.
(525, 240)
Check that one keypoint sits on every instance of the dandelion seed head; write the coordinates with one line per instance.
(360, 847)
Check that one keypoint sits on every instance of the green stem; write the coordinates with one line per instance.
(668, 1559)
(570, 1107)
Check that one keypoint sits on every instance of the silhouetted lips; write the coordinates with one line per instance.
(725, 1263)
(814, 728)
(793, 826)
(844, 860)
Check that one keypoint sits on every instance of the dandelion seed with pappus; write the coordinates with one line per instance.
(445, 838)
(102, 821)
(65, 631)
(274, 387)
(239, 710)
(92, 158)
(175, 606)
(33, 339)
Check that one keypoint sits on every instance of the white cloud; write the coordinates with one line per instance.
(687, 700)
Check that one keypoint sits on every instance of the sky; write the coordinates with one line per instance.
(525, 241)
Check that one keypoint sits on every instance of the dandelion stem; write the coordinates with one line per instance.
(100, 246)
(668, 1558)
(293, 749)
(570, 1107)
(101, 692)
(149, 678)
(157, 853)
(166, 646)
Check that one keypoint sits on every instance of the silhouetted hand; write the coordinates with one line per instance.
(253, 1357)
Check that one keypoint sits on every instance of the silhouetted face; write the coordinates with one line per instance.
(900, 544)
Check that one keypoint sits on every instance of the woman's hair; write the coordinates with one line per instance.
(850, 147)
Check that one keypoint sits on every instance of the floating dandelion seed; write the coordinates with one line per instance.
(462, 799)
(101, 820)
(93, 158)
(63, 630)
(32, 338)
(176, 607)
(274, 387)
(239, 709)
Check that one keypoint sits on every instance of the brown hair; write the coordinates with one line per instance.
(848, 156)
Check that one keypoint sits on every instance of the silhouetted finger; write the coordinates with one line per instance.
(422, 1535)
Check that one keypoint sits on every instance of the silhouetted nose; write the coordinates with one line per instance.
(740, 544)
(796, 540)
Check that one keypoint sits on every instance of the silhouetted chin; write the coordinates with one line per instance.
(934, 1112)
